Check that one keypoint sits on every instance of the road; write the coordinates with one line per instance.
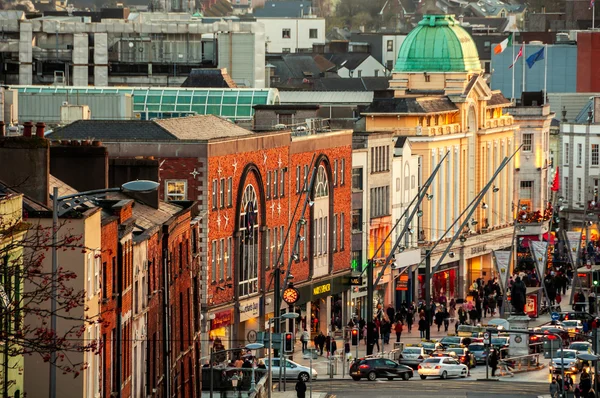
(451, 388)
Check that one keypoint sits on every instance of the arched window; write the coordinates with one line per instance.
(322, 187)
(248, 250)
(321, 223)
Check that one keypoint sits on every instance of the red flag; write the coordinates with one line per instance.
(556, 182)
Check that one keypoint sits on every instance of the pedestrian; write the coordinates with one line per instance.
(409, 319)
(333, 348)
(446, 319)
(592, 302)
(422, 327)
(553, 388)
(439, 319)
(493, 361)
(304, 337)
(300, 389)
(328, 344)
(321, 342)
(386, 330)
(398, 329)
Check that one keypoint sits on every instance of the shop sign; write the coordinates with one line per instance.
(356, 281)
(321, 289)
(249, 309)
(402, 282)
(222, 319)
(478, 249)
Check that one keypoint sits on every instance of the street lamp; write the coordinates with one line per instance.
(234, 383)
(67, 203)
(287, 315)
(254, 346)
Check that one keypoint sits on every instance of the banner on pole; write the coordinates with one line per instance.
(574, 240)
(502, 260)
(538, 251)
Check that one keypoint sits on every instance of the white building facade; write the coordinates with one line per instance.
(291, 35)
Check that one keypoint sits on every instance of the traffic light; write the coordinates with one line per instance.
(288, 343)
(355, 337)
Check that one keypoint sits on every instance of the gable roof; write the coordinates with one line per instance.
(201, 127)
(194, 128)
(297, 66)
(213, 78)
(411, 105)
(284, 9)
(349, 61)
(113, 130)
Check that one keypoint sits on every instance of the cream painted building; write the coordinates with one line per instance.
(443, 106)
(85, 263)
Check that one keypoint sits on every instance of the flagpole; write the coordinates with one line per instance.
(594, 15)
(523, 58)
(545, 72)
(513, 72)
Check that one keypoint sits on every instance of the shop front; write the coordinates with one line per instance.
(444, 283)
(322, 305)
(220, 334)
(249, 320)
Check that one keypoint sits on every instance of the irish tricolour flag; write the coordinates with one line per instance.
(502, 46)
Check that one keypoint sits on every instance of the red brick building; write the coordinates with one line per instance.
(250, 190)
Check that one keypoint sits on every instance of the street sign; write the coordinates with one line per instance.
(486, 338)
(555, 316)
(356, 281)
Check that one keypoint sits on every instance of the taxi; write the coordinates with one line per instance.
(442, 367)
(413, 355)
(573, 326)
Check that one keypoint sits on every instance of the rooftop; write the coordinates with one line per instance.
(411, 105)
(438, 44)
(191, 128)
(284, 9)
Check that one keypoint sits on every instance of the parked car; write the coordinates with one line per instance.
(293, 370)
(413, 355)
(372, 368)
(479, 351)
(442, 367)
(565, 360)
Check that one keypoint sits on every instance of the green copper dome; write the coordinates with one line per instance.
(438, 44)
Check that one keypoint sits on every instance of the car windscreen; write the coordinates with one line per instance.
(451, 340)
(499, 341)
(432, 360)
(476, 347)
(566, 354)
(411, 350)
(579, 346)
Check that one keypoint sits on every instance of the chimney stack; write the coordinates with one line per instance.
(27, 129)
(2, 129)
(39, 129)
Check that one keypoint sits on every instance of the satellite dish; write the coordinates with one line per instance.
(140, 186)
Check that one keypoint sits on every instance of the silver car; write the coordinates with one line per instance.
(413, 356)
(293, 370)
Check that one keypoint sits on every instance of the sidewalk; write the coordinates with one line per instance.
(292, 394)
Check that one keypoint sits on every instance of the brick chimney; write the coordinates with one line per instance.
(27, 129)
(39, 129)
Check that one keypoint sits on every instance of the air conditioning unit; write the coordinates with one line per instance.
(279, 126)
